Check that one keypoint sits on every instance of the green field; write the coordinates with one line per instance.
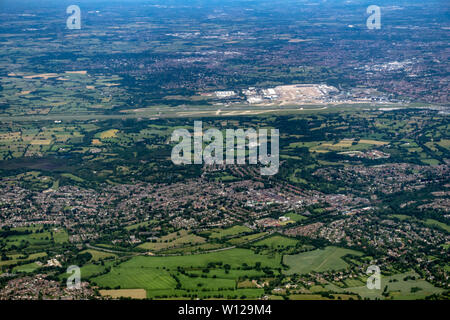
(246, 239)
(438, 224)
(129, 277)
(228, 232)
(60, 236)
(232, 274)
(172, 240)
(277, 241)
(295, 217)
(99, 255)
(401, 217)
(329, 258)
(26, 268)
(194, 248)
(90, 270)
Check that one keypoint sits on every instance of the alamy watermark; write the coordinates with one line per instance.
(374, 20)
(74, 20)
(194, 152)
(74, 281)
(374, 281)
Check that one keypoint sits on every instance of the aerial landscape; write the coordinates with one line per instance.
(342, 191)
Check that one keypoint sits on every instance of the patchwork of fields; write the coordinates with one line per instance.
(234, 273)
(212, 273)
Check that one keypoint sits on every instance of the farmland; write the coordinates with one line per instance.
(276, 242)
(329, 258)
(173, 240)
(98, 255)
(233, 231)
(125, 293)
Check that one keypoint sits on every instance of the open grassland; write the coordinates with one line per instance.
(246, 239)
(231, 274)
(295, 217)
(194, 248)
(90, 270)
(26, 268)
(172, 240)
(329, 258)
(99, 255)
(342, 145)
(136, 277)
(401, 217)
(190, 283)
(228, 232)
(72, 177)
(60, 236)
(374, 142)
(44, 142)
(445, 143)
(108, 134)
(277, 241)
(438, 224)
